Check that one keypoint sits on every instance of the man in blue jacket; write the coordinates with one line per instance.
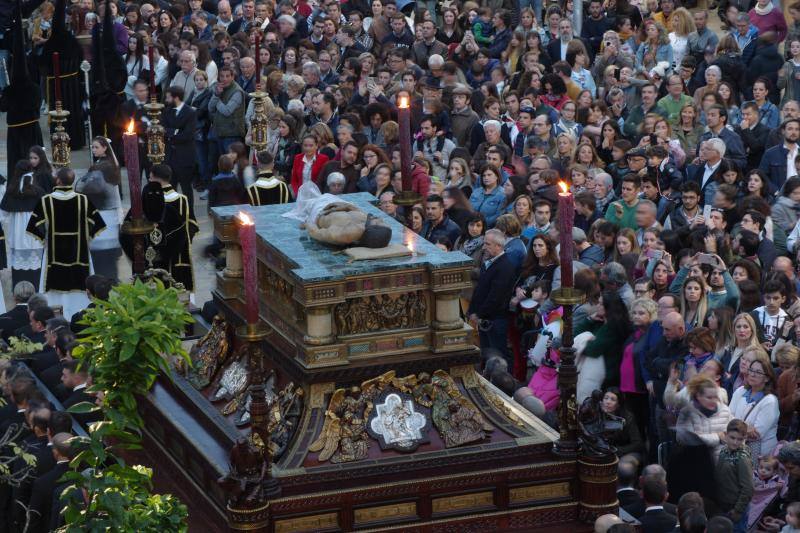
(774, 162)
(489, 306)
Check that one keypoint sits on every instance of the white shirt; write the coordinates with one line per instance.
(307, 166)
(791, 171)
(708, 171)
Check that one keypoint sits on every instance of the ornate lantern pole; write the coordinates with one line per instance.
(59, 138)
(155, 131)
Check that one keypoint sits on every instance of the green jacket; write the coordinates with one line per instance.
(607, 344)
(628, 219)
(734, 479)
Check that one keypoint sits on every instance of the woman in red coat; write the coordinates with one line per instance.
(307, 164)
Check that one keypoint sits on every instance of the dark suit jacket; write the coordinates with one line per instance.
(36, 446)
(554, 50)
(657, 521)
(76, 397)
(42, 497)
(41, 361)
(179, 136)
(695, 173)
(773, 164)
(13, 319)
(493, 291)
(631, 501)
(755, 141)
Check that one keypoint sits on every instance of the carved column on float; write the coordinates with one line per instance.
(448, 311)
(233, 260)
(319, 325)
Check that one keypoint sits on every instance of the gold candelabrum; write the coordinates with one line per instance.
(155, 132)
(60, 138)
(259, 121)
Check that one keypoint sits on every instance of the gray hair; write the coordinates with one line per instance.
(295, 105)
(492, 124)
(717, 145)
(435, 61)
(335, 177)
(23, 291)
(498, 236)
(615, 273)
(295, 82)
(790, 453)
(288, 19)
(714, 69)
(312, 67)
(649, 205)
(604, 178)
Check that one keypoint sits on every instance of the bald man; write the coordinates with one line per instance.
(604, 522)
(658, 360)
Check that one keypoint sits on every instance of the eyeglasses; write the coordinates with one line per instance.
(757, 373)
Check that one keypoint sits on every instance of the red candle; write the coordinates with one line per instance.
(152, 71)
(404, 122)
(247, 240)
(57, 75)
(566, 219)
(258, 60)
(130, 142)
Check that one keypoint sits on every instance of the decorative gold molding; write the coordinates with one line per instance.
(395, 511)
(316, 396)
(534, 493)
(462, 502)
(306, 523)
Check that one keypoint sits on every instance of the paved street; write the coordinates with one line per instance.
(203, 267)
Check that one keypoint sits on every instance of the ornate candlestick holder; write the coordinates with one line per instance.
(155, 132)
(567, 444)
(60, 138)
(138, 228)
(259, 122)
(251, 459)
(406, 199)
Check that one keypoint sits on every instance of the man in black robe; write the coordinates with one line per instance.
(267, 190)
(66, 221)
(70, 56)
(21, 101)
(169, 245)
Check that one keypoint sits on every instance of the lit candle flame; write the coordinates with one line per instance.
(403, 102)
(410, 246)
(131, 128)
(564, 186)
(245, 219)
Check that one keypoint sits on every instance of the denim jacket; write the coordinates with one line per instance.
(490, 205)
(663, 53)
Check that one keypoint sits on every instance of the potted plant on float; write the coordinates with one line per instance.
(125, 346)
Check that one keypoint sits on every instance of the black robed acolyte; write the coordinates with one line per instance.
(268, 190)
(70, 56)
(21, 101)
(66, 221)
(169, 245)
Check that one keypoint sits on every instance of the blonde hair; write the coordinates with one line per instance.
(699, 383)
(201, 73)
(682, 22)
(648, 305)
(753, 335)
(702, 305)
(787, 354)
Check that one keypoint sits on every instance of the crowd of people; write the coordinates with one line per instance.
(679, 144)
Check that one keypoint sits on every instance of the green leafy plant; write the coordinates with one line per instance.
(125, 346)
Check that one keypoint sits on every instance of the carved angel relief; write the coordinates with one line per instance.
(374, 313)
(209, 354)
(397, 412)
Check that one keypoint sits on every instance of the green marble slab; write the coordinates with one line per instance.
(315, 262)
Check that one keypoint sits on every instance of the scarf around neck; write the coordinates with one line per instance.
(764, 10)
